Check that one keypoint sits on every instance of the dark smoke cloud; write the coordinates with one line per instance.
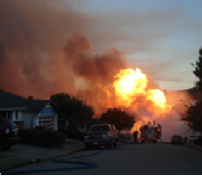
(2, 53)
(40, 56)
(94, 68)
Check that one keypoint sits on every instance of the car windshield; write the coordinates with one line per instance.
(11, 124)
(177, 137)
(99, 128)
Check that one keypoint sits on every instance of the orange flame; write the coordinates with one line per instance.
(130, 84)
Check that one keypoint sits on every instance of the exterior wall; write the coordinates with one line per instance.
(35, 121)
(29, 120)
(56, 122)
(48, 110)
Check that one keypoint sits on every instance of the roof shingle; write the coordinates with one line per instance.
(9, 101)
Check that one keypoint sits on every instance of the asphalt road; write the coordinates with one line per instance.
(136, 159)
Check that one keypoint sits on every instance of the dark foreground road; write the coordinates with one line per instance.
(135, 159)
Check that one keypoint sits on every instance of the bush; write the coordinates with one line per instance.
(41, 137)
(40, 127)
(200, 140)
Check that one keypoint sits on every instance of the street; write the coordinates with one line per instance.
(133, 159)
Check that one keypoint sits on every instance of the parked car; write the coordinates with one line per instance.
(8, 133)
(74, 132)
(193, 137)
(176, 139)
(101, 134)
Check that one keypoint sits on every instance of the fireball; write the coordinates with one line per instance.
(131, 84)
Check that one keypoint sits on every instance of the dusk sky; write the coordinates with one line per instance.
(160, 37)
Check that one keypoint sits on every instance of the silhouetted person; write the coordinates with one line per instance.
(185, 139)
(135, 136)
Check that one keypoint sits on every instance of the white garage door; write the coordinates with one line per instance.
(47, 122)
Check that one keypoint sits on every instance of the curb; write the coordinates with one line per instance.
(199, 148)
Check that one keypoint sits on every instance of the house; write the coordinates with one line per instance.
(28, 113)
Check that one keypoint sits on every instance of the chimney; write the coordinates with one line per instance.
(30, 97)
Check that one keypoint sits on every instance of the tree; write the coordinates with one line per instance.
(194, 113)
(194, 117)
(198, 71)
(120, 119)
(73, 110)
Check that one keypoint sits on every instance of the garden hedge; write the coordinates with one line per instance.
(41, 137)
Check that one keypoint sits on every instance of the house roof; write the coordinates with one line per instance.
(12, 102)
(38, 105)
(8, 100)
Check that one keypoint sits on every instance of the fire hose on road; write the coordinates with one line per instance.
(82, 164)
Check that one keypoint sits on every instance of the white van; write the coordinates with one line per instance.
(193, 137)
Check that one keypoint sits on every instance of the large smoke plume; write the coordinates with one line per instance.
(41, 55)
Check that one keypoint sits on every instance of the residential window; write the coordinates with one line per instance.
(9, 115)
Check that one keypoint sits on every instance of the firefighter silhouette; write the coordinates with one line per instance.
(135, 136)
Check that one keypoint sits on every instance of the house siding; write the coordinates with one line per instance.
(17, 117)
(27, 118)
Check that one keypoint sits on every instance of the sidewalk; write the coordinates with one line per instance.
(194, 146)
(20, 154)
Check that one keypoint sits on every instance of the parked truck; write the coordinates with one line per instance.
(101, 134)
(150, 132)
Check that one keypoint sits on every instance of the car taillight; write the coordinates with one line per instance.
(6, 128)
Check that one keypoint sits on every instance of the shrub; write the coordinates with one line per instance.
(200, 140)
(40, 127)
(41, 137)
